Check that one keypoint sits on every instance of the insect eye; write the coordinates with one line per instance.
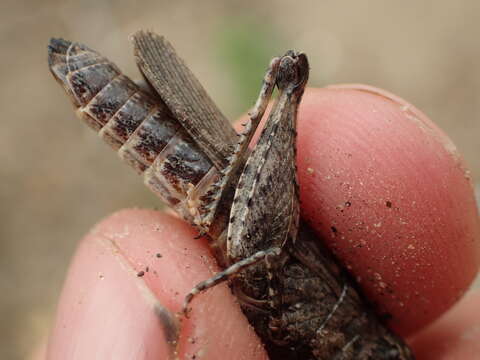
(287, 72)
(293, 70)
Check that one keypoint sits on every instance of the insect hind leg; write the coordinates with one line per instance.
(231, 172)
(266, 90)
(228, 273)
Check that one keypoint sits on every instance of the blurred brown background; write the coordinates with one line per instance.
(58, 179)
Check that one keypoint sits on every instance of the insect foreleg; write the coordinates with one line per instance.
(229, 273)
(231, 172)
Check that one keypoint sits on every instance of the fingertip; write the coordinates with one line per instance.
(126, 285)
(390, 195)
(105, 310)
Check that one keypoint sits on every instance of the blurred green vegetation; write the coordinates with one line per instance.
(246, 47)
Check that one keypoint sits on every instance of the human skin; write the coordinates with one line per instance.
(110, 309)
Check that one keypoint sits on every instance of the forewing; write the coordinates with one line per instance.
(265, 209)
(185, 96)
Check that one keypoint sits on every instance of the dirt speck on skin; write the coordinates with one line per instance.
(158, 255)
(388, 204)
(141, 273)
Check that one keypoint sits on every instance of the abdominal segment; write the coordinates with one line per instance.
(136, 124)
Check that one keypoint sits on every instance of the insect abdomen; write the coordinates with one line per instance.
(138, 126)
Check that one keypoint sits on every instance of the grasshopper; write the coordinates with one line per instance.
(299, 300)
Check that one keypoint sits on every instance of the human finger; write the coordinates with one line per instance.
(126, 285)
(389, 194)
